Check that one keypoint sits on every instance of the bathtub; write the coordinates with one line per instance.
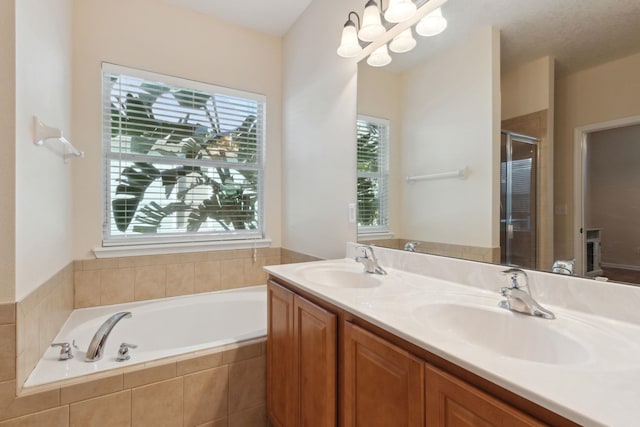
(160, 328)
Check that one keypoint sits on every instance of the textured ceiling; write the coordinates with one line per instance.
(578, 33)
(273, 17)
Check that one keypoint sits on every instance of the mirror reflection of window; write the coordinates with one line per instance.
(373, 174)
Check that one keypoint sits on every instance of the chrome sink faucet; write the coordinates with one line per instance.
(368, 259)
(96, 348)
(518, 296)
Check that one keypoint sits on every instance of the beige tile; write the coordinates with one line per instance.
(207, 276)
(57, 417)
(100, 264)
(232, 273)
(145, 376)
(116, 286)
(87, 390)
(150, 282)
(206, 396)
(199, 363)
(87, 288)
(247, 384)
(180, 279)
(7, 352)
(268, 252)
(158, 404)
(255, 417)
(112, 410)
(254, 273)
(242, 352)
(7, 313)
(223, 422)
(221, 255)
(18, 406)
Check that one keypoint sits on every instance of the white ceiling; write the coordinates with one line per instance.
(273, 17)
(578, 33)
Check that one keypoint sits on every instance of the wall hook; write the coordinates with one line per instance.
(43, 132)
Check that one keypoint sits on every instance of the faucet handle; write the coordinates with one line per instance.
(514, 273)
(65, 350)
(123, 352)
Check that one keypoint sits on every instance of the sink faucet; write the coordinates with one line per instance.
(368, 259)
(411, 246)
(96, 348)
(518, 297)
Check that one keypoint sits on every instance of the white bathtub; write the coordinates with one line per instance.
(160, 328)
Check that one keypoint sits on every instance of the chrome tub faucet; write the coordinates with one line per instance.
(368, 259)
(96, 348)
(518, 296)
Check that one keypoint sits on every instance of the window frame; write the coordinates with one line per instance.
(373, 231)
(180, 240)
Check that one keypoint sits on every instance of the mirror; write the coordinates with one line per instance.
(540, 70)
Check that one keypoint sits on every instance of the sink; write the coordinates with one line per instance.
(503, 332)
(340, 276)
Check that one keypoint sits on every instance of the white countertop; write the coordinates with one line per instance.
(601, 386)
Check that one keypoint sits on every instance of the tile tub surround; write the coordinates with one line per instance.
(224, 386)
(119, 280)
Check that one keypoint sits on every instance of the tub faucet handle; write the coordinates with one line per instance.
(123, 352)
(65, 350)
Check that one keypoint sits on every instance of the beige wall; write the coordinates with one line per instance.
(380, 95)
(452, 120)
(612, 204)
(163, 38)
(7, 160)
(319, 102)
(528, 88)
(43, 208)
(599, 94)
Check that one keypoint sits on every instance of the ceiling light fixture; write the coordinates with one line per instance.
(432, 24)
(403, 42)
(349, 44)
(371, 30)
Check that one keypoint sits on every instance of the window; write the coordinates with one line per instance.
(373, 174)
(183, 160)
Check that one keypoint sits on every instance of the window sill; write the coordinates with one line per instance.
(381, 235)
(176, 248)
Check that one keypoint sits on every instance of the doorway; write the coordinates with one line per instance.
(518, 199)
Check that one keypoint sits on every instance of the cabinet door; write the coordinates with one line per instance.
(315, 353)
(452, 402)
(281, 394)
(383, 384)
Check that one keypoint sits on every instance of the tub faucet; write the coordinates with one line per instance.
(518, 296)
(96, 348)
(368, 259)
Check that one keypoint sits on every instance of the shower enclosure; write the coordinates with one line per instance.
(518, 199)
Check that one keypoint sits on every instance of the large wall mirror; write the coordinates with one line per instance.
(513, 137)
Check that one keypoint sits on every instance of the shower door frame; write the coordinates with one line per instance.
(536, 142)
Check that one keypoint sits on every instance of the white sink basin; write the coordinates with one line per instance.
(340, 276)
(502, 332)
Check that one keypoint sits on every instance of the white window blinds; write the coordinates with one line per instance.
(183, 159)
(373, 174)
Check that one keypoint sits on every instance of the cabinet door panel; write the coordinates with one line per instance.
(281, 394)
(315, 353)
(383, 384)
(453, 403)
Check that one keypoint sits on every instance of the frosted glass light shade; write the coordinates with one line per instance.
(379, 57)
(399, 10)
(432, 24)
(349, 46)
(403, 42)
(372, 27)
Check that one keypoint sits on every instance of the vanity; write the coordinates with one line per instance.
(349, 348)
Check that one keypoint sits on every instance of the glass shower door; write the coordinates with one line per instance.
(518, 200)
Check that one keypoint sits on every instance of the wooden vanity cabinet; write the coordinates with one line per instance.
(451, 402)
(383, 384)
(301, 361)
(384, 380)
